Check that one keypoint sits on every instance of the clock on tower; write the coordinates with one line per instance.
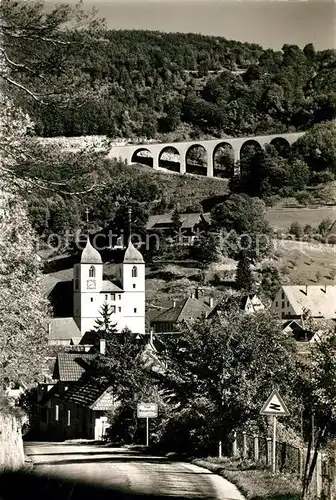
(91, 284)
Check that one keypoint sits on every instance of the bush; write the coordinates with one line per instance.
(323, 177)
(296, 230)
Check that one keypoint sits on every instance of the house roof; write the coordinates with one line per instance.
(320, 300)
(69, 367)
(188, 308)
(247, 300)
(90, 394)
(90, 255)
(132, 255)
(110, 286)
(188, 221)
(63, 329)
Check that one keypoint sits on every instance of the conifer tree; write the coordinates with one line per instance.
(244, 276)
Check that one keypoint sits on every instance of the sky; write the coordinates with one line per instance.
(270, 23)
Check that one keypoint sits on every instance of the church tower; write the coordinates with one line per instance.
(88, 283)
(132, 277)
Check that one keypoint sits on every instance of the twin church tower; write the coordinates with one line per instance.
(125, 295)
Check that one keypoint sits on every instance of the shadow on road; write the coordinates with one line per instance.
(19, 485)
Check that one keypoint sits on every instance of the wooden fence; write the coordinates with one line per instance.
(289, 459)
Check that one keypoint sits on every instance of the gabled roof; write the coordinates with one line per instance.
(90, 394)
(110, 286)
(69, 367)
(63, 329)
(188, 220)
(188, 308)
(320, 300)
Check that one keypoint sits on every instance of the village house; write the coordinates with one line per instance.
(295, 301)
(192, 307)
(248, 304)
(192, 224)
(74, 405)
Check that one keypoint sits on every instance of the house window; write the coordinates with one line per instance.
(91, 299)
(276, 304)
(56, 413)
(69, 417)
(287, 303)
(134, 285)
(119, 309)
(112, 296)
(283, 304)
(135, 309)
(106, 297)
(134, 272)
(92, 272)
(282, 295)
(119, 297)
(113, 309)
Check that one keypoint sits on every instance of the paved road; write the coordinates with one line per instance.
(128, 471)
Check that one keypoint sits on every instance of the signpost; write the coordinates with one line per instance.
(275, 406)
(147, 411)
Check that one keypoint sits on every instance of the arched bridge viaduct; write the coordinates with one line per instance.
(128, 152)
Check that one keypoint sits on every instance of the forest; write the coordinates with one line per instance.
(149, 84)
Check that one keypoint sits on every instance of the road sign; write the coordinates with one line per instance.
(274, 406)
(147, 410)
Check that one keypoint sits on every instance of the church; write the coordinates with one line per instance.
(125, 294)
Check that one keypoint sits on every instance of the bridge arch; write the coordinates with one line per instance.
(196, 159)
(223, 160)
(247, 153)
(170, 158)
(144, 156)
(282, 146)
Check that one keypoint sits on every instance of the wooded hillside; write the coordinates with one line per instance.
(147, 84)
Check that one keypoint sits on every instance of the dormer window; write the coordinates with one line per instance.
(92, 272)
(134, 272)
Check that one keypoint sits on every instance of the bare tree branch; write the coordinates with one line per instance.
(20, 86)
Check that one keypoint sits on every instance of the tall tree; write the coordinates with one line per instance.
(244, 276)
(219, 374)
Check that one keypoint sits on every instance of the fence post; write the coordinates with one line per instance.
(318, 472)
(234, 445)
(268, 451)
(244, 445)
(256, 448)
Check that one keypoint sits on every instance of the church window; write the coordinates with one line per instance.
(91, 299)
(135, 309)
(92, 272)
(76, 284)
(134, 272)
(134, 285)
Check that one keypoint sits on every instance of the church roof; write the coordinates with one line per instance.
(132, 255)
(90, 255)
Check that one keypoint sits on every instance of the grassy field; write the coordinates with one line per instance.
(303, 263)
(281, 218)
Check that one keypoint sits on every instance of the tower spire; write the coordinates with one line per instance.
(129, 223)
